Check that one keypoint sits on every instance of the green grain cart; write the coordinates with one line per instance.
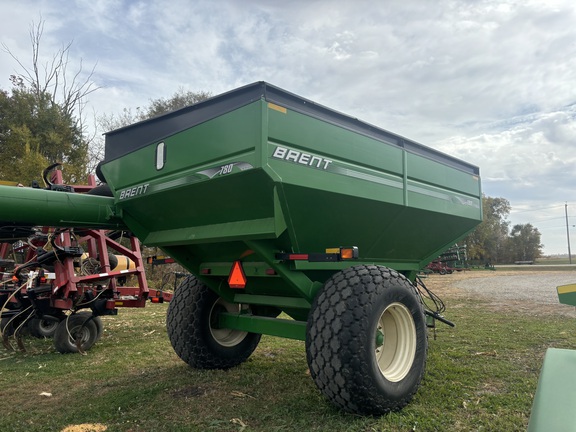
(295, 221)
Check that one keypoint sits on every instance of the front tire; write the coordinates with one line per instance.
(367, 340)
(76, 327)
(96, 320)
(193, 331)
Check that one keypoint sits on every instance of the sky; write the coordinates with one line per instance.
(490, 82)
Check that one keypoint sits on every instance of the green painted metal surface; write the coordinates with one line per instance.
(43, 207)
(567, 294)
(263, 171)
(555, 398)
(274, 327)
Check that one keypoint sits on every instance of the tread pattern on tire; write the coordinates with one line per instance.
(187, 323)
(338, 347)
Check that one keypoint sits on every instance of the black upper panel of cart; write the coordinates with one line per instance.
(131, 138)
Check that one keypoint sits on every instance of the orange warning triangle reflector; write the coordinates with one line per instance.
(237, 278)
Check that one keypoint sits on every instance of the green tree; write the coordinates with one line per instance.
(156, 107)
(36, 132)
(487, 242)
(524, 243)
(179, 99)
(41, 118)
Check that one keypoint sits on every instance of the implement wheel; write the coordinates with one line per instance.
(76, 333)
(193, 331)
(367, 340)
(44, 327)
(97, 320)
(9, 325)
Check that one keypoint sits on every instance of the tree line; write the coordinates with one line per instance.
(494, 241)
(42, 121)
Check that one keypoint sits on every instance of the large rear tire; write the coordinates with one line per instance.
(367, 340)
(193, 331)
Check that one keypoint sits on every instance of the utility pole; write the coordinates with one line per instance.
(568, 232)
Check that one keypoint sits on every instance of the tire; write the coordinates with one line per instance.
(367, 340)
(9, 325)
(44, 327)
(97, 320)
(99, 327)
(75, 326)
(190, 321)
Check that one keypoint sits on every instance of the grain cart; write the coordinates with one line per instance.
(296, 221)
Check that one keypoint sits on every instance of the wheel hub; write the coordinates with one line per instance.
(395, 342)
(225, 337)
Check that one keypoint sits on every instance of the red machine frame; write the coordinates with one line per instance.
(64, 288)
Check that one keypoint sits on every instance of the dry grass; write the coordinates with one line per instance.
(481, 375)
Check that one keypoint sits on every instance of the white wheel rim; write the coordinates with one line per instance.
(226, 337)
(83, 332)
(395, 342)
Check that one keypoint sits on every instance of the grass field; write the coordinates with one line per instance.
(555, 260)
(481, 375)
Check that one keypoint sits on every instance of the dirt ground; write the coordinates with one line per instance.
(520, 291)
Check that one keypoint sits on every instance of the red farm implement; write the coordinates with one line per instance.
(57, 281)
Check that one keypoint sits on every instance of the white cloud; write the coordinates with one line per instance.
(489, 81)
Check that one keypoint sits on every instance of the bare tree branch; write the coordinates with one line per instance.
(53, 77)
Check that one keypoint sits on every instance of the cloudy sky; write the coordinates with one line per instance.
(490, 82)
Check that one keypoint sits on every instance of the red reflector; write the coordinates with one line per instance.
(298, 256)
(206, 271)
(237, 278)
(157, 299)
(270, 271)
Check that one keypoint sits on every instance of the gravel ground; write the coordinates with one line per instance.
(521, 290)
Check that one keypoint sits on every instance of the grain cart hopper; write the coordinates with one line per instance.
(276, 205)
